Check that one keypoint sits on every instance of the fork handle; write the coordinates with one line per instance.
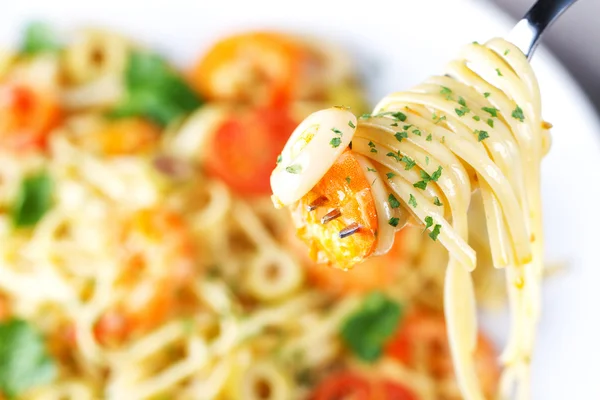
(527, 32)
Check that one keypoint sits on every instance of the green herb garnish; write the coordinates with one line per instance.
(348, 180)
(435, 232)
(394, 203)
(39, 38)
(294, 169)
(278, 159)
(498, 72)
(481, 135)
(428, 222)
(400, 136)
(436, 201)
(371, 169)
(420, 185)
(24, 360)
(409, 162)
(412, 201)
(372, 146)
(335, 142)
(429, 138)
(33, 200)
(487, 94)
(390, 175)
(351, 124)
(476, 118)
(366, 331)
(518, 114)
(337, 131)
(394, 221)
(491, 110)
(417, 132)
(490, 122)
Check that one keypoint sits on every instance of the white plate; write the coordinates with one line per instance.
(399, 43)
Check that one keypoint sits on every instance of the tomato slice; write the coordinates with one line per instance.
(256, 67)
(26, 117)
(343, 386)
(244, 148)
(429, 330)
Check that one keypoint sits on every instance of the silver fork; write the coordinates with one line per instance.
(527, 32)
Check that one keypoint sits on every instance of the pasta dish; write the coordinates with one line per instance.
(141, 256)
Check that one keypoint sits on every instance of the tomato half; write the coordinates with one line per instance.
(26, 117)
(244, 148)
(351, 386)
(255, 67)
(344, 385)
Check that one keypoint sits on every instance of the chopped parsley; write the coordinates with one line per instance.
(436, 201)
(427, 160)
(33, 200)
(490, 122)
(395, 156)
(394, 124)
(372, 146)
(399, 116)
(394, 221)
(443, 139)
(491, 110)
(406, 127)
(506, 52)
(518, 114)
(335, 142)
(394, 114)
(446, 91)
(394, 203)
(24, 360)
(371, 169)
(429, 138)
(428, 223)
(294, 169)
(400, 135)
(348, 180)
(440, 119)
(390, 175)
(487, 94)
(278, 159)
(461, 111)
(498, 72)
(476, 118)
(462, 101)
(435, 232)
(367, 330)
(481, 135)
(409, 162)
(412, 201)
(420, 185)
(436, 174)
(417, 132)
(351, 124)
(337, 131)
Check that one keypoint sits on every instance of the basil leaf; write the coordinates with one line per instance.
(369, 328)
(155, 90)
(24, 361)
(39, 38)
(33, 200)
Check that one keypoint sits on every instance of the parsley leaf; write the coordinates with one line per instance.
(436, 201)
(442, 118)
(394, 221)
(420, 185)
(409, 162)
(491, 110)
(367, 330)
(446, 92)
(417, 132)
(351, 124)
(487, 94)
(435, 232)
(481, 135)
(412, 201)
(506, 52)
(394, 203)
(33, 200)
(371, 169)
(372, 146)
(348, 180)
(335, 142)
(395, 156)
(436, 174)
(428, 222)
(518, 114)
(278, 159)
(394, 124)
(462, 101)
(476, 118)
(490, 122)
(429, 138)
(154, 90)
(426, 160)
(294, 169)
(390, 175)
(400, 135)
(498, 72)
(39, 38)
(406, 127)
(337, 131)
(399, 116)
(24, 362)
(461, 111)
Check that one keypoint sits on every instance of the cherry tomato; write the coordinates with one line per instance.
(243, 150)
(26, 117)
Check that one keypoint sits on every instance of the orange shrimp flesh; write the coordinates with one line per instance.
(344, 188)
